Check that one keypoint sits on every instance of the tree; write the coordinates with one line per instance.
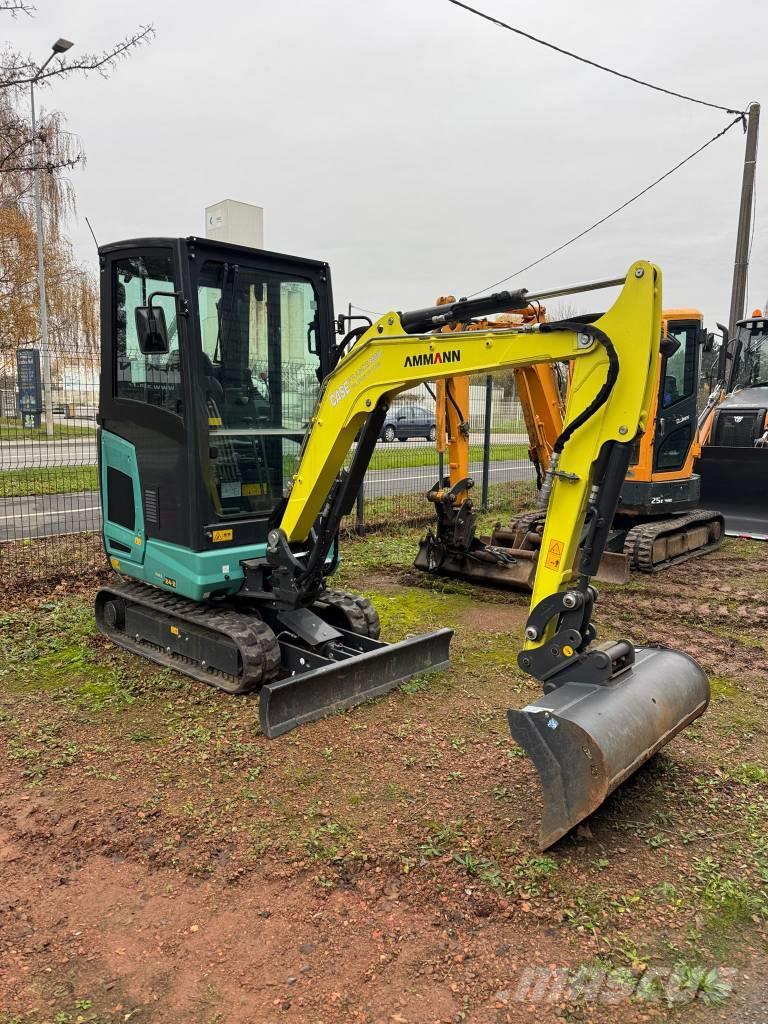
(71, 288)
(17, 71)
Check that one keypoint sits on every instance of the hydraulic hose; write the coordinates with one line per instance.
(597, 402)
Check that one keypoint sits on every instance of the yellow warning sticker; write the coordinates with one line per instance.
(554, 554)
(215, 421)
(250, 489)
(137, 540)
(115, 563)
(175, 630)
(220, 535)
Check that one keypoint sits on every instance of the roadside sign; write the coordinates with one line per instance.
(30, 386)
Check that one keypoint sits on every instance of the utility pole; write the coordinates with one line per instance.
(741, 263)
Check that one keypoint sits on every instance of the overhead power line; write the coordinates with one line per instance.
(593, 63)
(362, 309)
(586, 231)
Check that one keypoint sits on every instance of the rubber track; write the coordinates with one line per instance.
(359, 614)
(256, 643)
(529, 520)
(638, 544)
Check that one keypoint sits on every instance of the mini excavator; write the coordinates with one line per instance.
(220, 373)
(658, 521)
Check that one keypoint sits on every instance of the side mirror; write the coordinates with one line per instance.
(669, 346)
(705, 338)
(151, 330)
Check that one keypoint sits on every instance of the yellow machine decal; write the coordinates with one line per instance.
(250, 489)
(175, 630)
(168, 582)
(554, 554)
(220, 535)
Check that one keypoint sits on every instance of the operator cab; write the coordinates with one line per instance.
(750, 365)
(741, 419)
(212, 358)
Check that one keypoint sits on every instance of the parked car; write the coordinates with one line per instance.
(406, 421)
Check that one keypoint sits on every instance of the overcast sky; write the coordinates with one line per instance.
(416, 148)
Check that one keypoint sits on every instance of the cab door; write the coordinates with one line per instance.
(676, 410)
(143, 407)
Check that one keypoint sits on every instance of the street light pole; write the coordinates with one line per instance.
(45, 361)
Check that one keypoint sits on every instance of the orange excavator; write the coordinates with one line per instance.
(658, 522)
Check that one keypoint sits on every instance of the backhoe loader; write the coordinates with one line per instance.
(657, 523)
(212, 355)
(734, 431)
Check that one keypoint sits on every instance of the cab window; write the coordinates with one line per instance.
(260, 377)
(153, 378)
(680, 368)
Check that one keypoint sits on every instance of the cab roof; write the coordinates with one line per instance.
(208, 243)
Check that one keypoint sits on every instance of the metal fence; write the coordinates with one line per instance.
(50, 516)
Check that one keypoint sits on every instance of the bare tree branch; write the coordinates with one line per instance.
(18, 71)
(13, 7)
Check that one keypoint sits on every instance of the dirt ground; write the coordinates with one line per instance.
(161, 861)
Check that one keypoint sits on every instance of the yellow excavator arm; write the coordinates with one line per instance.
(386, 360)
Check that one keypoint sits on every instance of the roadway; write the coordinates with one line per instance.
(55, 514)
(81, 451)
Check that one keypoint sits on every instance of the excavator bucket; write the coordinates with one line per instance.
(586, 738)
(735, 481)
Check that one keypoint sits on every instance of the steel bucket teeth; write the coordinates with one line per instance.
(585, 739)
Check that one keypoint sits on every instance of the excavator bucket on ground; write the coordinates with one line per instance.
(735, 480)
(586, 738)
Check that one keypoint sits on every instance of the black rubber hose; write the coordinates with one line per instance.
(603, 394)
(452, 400)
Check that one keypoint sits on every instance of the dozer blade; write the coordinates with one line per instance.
(585, 739)
(735, 481)
(358, 670)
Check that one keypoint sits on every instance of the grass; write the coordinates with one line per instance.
(34, 481)
(513, 426)
(53, 654)
(12, 430)
(20, 483)
(425, 455)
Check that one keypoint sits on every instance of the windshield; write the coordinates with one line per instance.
(751, 367)
(260, 376)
